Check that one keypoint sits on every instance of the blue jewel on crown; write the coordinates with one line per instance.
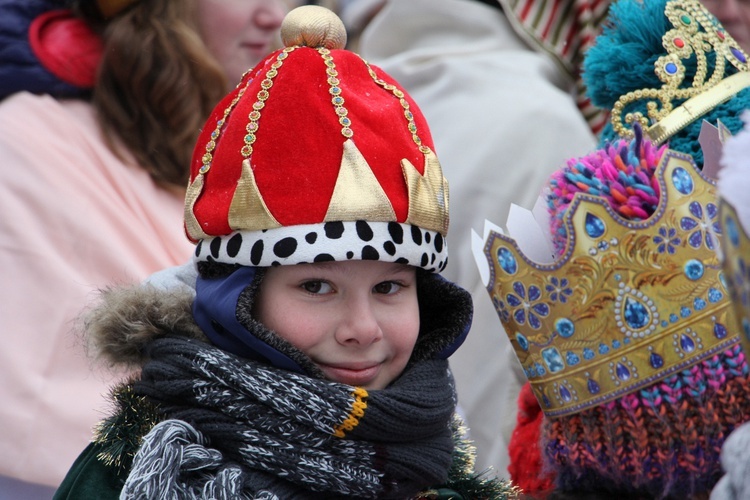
(622, 372)
(572, 358)
(594, 226)
(507, 261)
(714, 295)
(565, 394)
(592, 386)
(686, 343)
(693, 269)
(635, 313)
(682, 181)
(732, 231)
(720, 331)
(565, 328)
(522, 342)
(553, 359)
(655, 361)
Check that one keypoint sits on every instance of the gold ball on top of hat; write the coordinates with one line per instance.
(313, 26)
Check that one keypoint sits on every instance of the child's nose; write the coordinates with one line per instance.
(359, 325)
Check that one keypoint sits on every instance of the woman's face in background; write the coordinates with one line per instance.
(734, 15)
(239, 33)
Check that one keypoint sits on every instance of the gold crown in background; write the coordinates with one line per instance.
(628, 304)
(735, 249)
(696, 34)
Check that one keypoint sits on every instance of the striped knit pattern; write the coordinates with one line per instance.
(357, 412)
(564, 29)
(665, 440)
(662, 441)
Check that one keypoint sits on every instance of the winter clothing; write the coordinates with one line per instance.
(55, 262)
(23, 40)
(213, 398)
(236, 410)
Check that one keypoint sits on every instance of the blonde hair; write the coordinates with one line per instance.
(157, 83)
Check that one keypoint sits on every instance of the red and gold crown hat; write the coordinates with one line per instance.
(317, 156)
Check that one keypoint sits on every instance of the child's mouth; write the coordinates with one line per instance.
(351, 375)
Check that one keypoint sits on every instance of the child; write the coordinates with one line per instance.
(312, 361)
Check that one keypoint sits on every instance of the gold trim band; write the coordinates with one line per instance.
(697, 106)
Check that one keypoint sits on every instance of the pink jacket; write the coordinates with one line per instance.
(73, 218)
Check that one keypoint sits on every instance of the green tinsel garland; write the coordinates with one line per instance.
(120, 434)
(465, 484)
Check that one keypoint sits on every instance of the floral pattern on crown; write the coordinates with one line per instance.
(628, 303)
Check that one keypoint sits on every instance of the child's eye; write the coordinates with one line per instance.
(387, 287)
(316, 287)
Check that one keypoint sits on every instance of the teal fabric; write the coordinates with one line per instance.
(622, 60)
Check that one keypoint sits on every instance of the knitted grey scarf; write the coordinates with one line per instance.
(240, 429)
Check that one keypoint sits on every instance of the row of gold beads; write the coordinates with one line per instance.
(260, 103)
(211, 145)
(335, 90)
(404, 104)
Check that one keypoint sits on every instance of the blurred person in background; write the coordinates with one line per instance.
(100, 105)
(735, 16)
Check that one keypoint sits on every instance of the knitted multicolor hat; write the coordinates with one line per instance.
(628, 338)
(316, 156)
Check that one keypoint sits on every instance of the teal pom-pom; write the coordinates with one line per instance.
(622, 60)
(622, 57)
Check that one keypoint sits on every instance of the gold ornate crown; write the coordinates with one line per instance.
(696, 34)
(628, 304)
(735, 246)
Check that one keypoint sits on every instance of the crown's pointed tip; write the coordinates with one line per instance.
(313, 26)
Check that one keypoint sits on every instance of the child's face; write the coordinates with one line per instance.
(358, 321)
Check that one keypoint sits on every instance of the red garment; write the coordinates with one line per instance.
(66, 46)
(526, 466)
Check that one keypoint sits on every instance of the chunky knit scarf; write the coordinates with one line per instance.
(240, 429)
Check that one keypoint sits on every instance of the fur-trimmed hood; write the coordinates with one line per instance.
(127, 319)
(121, 325)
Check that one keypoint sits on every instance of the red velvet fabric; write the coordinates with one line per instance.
(299, 145)
(66, 47)
(526, 464)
